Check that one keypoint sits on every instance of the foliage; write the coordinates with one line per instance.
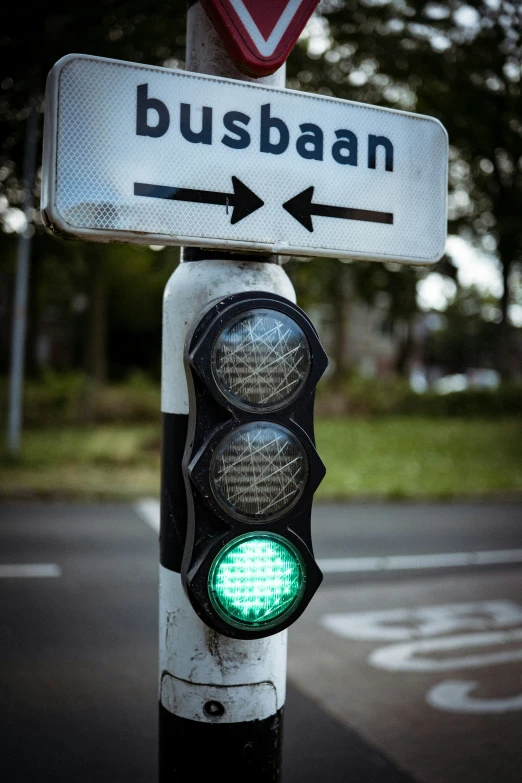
(138, 400)
(61, 398)
(62, 295)
(59, 395)
(320, 280)
(31, 42)
(467, 334)
(317, 280)
(399, 458)
(459, 62)
(389, 396)
(121, 288)
(89, 462)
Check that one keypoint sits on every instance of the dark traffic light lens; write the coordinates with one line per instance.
(256, 580)
(259, 471)
(261, 360)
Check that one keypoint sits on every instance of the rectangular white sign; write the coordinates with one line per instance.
(136, 153)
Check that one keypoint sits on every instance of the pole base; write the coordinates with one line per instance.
(220, 753)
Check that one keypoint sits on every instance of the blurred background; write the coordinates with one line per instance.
(406, 665)
(437, 353)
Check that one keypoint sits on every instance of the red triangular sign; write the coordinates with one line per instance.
(259, 34)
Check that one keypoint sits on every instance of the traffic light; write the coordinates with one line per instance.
(250, 467)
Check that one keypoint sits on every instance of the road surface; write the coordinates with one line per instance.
(405, 667)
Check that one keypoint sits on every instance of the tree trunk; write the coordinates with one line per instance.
(96, 348)
(341, 301)
(406, 348)
(504, 346)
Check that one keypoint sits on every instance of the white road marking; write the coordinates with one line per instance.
(29, 570)
(148, 510)
(428, 636)
(344, 565)
(454, 696)
(403, 657)
(392, 625)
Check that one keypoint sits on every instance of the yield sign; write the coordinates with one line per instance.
(259, 34)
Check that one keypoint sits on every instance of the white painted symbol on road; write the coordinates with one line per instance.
(399, 624)
(454, 696)
(402, 657)
(421, 630)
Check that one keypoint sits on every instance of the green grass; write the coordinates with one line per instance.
(416, 457)
(108, 461)
(397, 458)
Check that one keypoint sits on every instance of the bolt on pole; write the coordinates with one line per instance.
(16, 376)
(221, 699)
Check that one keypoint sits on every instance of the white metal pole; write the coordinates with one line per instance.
(221, 699)
(16, 376)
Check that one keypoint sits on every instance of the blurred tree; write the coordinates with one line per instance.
(30, 42)
(98, 307)
(459, 61)
(466, 334)
(96, 348)
(321, 280)
(137, 281)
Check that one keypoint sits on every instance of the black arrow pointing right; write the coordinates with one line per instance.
(302, 209)
(243, 200)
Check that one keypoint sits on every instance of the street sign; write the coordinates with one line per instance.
(259, 35)
(140, 154)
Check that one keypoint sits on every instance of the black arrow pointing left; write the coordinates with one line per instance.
(243, 200)
(301, 207)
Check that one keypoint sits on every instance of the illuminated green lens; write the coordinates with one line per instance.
(257, 580)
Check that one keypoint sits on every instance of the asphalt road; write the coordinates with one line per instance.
(396, 673)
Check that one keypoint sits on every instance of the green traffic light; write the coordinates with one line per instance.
(256, 580)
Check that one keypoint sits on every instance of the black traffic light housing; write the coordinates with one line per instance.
(216, 417)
